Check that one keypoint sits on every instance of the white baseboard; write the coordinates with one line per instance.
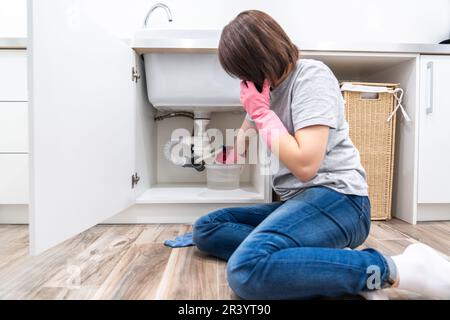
(13, 214)
(188, 213)
(433, 212)
(137, 214)
(166, 213)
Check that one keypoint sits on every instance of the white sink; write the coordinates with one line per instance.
(186, 80)
(177, 38)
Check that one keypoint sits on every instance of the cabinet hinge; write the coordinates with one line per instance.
(134, 180)
(135, 76)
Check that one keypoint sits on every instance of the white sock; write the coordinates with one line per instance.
(375, 294)
(423, 270)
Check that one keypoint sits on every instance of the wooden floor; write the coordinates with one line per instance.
(131, 262)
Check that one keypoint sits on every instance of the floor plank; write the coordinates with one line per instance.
(131, 262)
(190, 274)
(388, 247)
(62, 265)
(84, 273)
(382, 231)
(138, 274)
(193, 275)
(434, 234)
(225, 292)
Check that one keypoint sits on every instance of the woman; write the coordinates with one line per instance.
(299, 248)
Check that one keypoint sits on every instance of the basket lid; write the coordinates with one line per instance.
(368, 87)
(372, 84)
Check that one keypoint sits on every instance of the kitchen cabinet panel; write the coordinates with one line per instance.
(13, 179)
(82, 123)
(13, 127)
(13, 75)
(434, 130)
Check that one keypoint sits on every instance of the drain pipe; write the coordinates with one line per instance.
(201, 144)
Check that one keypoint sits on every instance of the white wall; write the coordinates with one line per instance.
(305, 20)
(13, 18)
(322, 20)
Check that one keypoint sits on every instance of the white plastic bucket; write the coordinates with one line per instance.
(223, 176)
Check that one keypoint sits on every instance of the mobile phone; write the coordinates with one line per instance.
(258, 87)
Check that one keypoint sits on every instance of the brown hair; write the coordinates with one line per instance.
(254, 47)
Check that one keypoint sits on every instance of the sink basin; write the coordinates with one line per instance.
(177, 38)
(183, 72)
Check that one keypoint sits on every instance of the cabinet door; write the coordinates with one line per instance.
(82, 122)
(13, 75)
(13, 178)
(434, 130)
(13, 127)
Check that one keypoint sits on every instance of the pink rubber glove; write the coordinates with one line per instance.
(257, 106)
(230, 157)
(227, 157)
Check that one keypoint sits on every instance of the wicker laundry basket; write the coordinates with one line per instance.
(374, 137)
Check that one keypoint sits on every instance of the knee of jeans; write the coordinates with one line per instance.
(202, 221)
(243, 277)
(201, 231)
(207, 220)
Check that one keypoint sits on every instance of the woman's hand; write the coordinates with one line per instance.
(230, 156)
(255, 102)
(237, 154)
(257, 105)
(302, 153)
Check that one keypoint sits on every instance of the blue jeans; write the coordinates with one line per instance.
(294, 249)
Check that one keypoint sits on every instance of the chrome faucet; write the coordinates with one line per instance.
(153, 8)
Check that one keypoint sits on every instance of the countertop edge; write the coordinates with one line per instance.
(406, 48)
(13, 43)
(411, 48)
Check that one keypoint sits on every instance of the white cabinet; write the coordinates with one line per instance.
(92, 128)
(83, 129)
(13, 178)
(13, 75)
(434, 130)
(13, 127)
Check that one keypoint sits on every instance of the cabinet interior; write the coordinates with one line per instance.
(163, 182)
(389, 68)
(172, 183)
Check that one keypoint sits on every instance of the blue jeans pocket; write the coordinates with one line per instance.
(365, 218)
(362, 206)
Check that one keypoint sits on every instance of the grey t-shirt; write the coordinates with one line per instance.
(311, 96)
